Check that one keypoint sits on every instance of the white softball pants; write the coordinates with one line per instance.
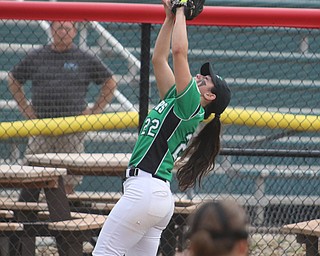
(135, 224)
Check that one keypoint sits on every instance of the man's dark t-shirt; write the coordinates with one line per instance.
(60, 80)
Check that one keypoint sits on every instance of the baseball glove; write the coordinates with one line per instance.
(192, 8)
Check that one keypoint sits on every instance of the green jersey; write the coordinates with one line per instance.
(166, 131)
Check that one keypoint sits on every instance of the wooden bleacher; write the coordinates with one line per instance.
(308, 233)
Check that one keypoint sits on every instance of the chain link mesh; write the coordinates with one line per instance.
(271, 71)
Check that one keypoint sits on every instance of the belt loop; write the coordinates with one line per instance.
(134, 171)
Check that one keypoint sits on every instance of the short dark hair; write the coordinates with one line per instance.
(75, 23)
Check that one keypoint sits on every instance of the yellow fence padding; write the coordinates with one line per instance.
(65, 125)
(272, 120)
(121, 120)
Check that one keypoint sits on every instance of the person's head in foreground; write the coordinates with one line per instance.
(219, 228)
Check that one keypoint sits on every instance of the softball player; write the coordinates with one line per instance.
(135, 224)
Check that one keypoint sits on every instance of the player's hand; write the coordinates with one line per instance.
(167, 7)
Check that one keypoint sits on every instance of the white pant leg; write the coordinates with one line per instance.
(135, 224)
(149, 243)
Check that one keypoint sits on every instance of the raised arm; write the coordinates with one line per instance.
(180, 51)
(162, 71)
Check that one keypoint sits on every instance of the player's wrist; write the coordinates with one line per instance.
(178, 5)
(191, 8)
(180, 10)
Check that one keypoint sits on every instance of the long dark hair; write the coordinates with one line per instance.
(200, 155)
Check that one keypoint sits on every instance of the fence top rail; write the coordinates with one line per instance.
(153, 13)
(269, 152)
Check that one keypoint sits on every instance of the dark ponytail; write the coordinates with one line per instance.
(200, 155)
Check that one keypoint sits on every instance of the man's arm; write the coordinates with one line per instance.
(105, 97)
(18, 94)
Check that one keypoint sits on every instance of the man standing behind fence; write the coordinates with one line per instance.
(60, 74)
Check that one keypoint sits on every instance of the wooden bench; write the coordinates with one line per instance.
(10, 226)
(49, 179)
(115, 164)
(13, 176)
(81, 228)
(7, 230)
(82, 223)
(95, 200)
(182, 206)
(22, 206)
(88, 196)
(308, 232)
(6, 214)
(83, 163)
(21, 211)
(45, 215)
(29, 177)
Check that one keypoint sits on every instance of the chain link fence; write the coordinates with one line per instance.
(267, 164)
